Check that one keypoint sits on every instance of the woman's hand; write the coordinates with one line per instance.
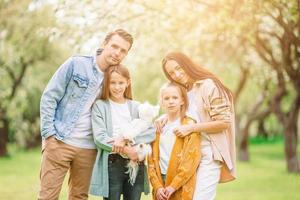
(183, 130)
(160, 194)
(169, 191)
(160, 122)
(118, 145)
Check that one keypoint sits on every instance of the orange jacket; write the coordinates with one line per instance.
(184, 161)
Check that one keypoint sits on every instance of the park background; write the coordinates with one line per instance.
(252, 45)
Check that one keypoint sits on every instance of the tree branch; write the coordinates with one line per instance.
(17, 81)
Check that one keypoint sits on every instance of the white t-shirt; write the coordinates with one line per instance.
(82, 135)
(166, 143)
(120, 115)
(192, 112)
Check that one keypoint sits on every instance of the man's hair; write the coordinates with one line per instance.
(122, 33)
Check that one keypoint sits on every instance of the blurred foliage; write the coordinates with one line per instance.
(29, 55)
(217, 34)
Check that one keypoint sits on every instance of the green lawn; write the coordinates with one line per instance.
(263, 178)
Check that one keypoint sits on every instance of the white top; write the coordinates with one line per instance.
(120, 115)
(166, 143)
(82, 135)
(193, 112)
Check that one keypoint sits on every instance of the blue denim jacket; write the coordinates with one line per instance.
(66, 94)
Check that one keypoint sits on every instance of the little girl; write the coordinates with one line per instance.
(114, 108)
(174, 160)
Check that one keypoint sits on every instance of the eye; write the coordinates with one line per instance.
(123, 51)
(114, 46)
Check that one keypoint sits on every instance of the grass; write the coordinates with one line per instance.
(264, 177)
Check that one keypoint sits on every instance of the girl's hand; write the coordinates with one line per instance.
(160, 122)
(183, 130)
(169, 191)
(160, 194)
(131, 153)
(118, 145)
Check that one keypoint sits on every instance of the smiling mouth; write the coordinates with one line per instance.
(115, 59)
(171, 107)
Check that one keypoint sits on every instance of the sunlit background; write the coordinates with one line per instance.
(252, 45)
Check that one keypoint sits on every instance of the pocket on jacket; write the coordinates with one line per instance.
(79, 85)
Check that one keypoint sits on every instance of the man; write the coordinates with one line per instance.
(65, 111)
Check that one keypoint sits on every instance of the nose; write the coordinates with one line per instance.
(118, 52)
(171, 101)
(177, 74)
(118, 86)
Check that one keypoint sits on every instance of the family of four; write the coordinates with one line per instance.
(89, 97)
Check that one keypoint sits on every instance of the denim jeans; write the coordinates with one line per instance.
(119, 180)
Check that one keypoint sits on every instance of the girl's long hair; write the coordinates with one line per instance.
(123, 71)
(182, 91)
(194, 71)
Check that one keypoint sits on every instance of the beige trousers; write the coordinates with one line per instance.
(57, 159)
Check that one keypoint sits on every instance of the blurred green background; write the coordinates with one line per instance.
(253, 46)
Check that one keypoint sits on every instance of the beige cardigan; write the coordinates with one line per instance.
(213, 105)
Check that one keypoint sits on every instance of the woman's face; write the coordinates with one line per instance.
(117, 86)
(176, 72)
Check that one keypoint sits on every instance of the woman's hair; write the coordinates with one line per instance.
(182, 91)
(194, 71)
(123, 71)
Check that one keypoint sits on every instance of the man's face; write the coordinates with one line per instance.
(115, 50)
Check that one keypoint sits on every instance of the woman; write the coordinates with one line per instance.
(114, 108)
(211, 104)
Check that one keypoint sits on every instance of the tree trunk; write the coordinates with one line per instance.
(261, 130)
(290, 147)
(243, 152)
(4, 124)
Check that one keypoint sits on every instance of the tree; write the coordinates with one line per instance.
(24, 45)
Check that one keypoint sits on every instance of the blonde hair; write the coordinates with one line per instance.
(183, 92)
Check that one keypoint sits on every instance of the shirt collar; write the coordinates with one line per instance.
(95, 65)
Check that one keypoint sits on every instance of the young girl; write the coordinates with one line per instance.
(174, 160)
(114, 108)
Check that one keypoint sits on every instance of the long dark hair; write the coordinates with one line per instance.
(194, 71)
